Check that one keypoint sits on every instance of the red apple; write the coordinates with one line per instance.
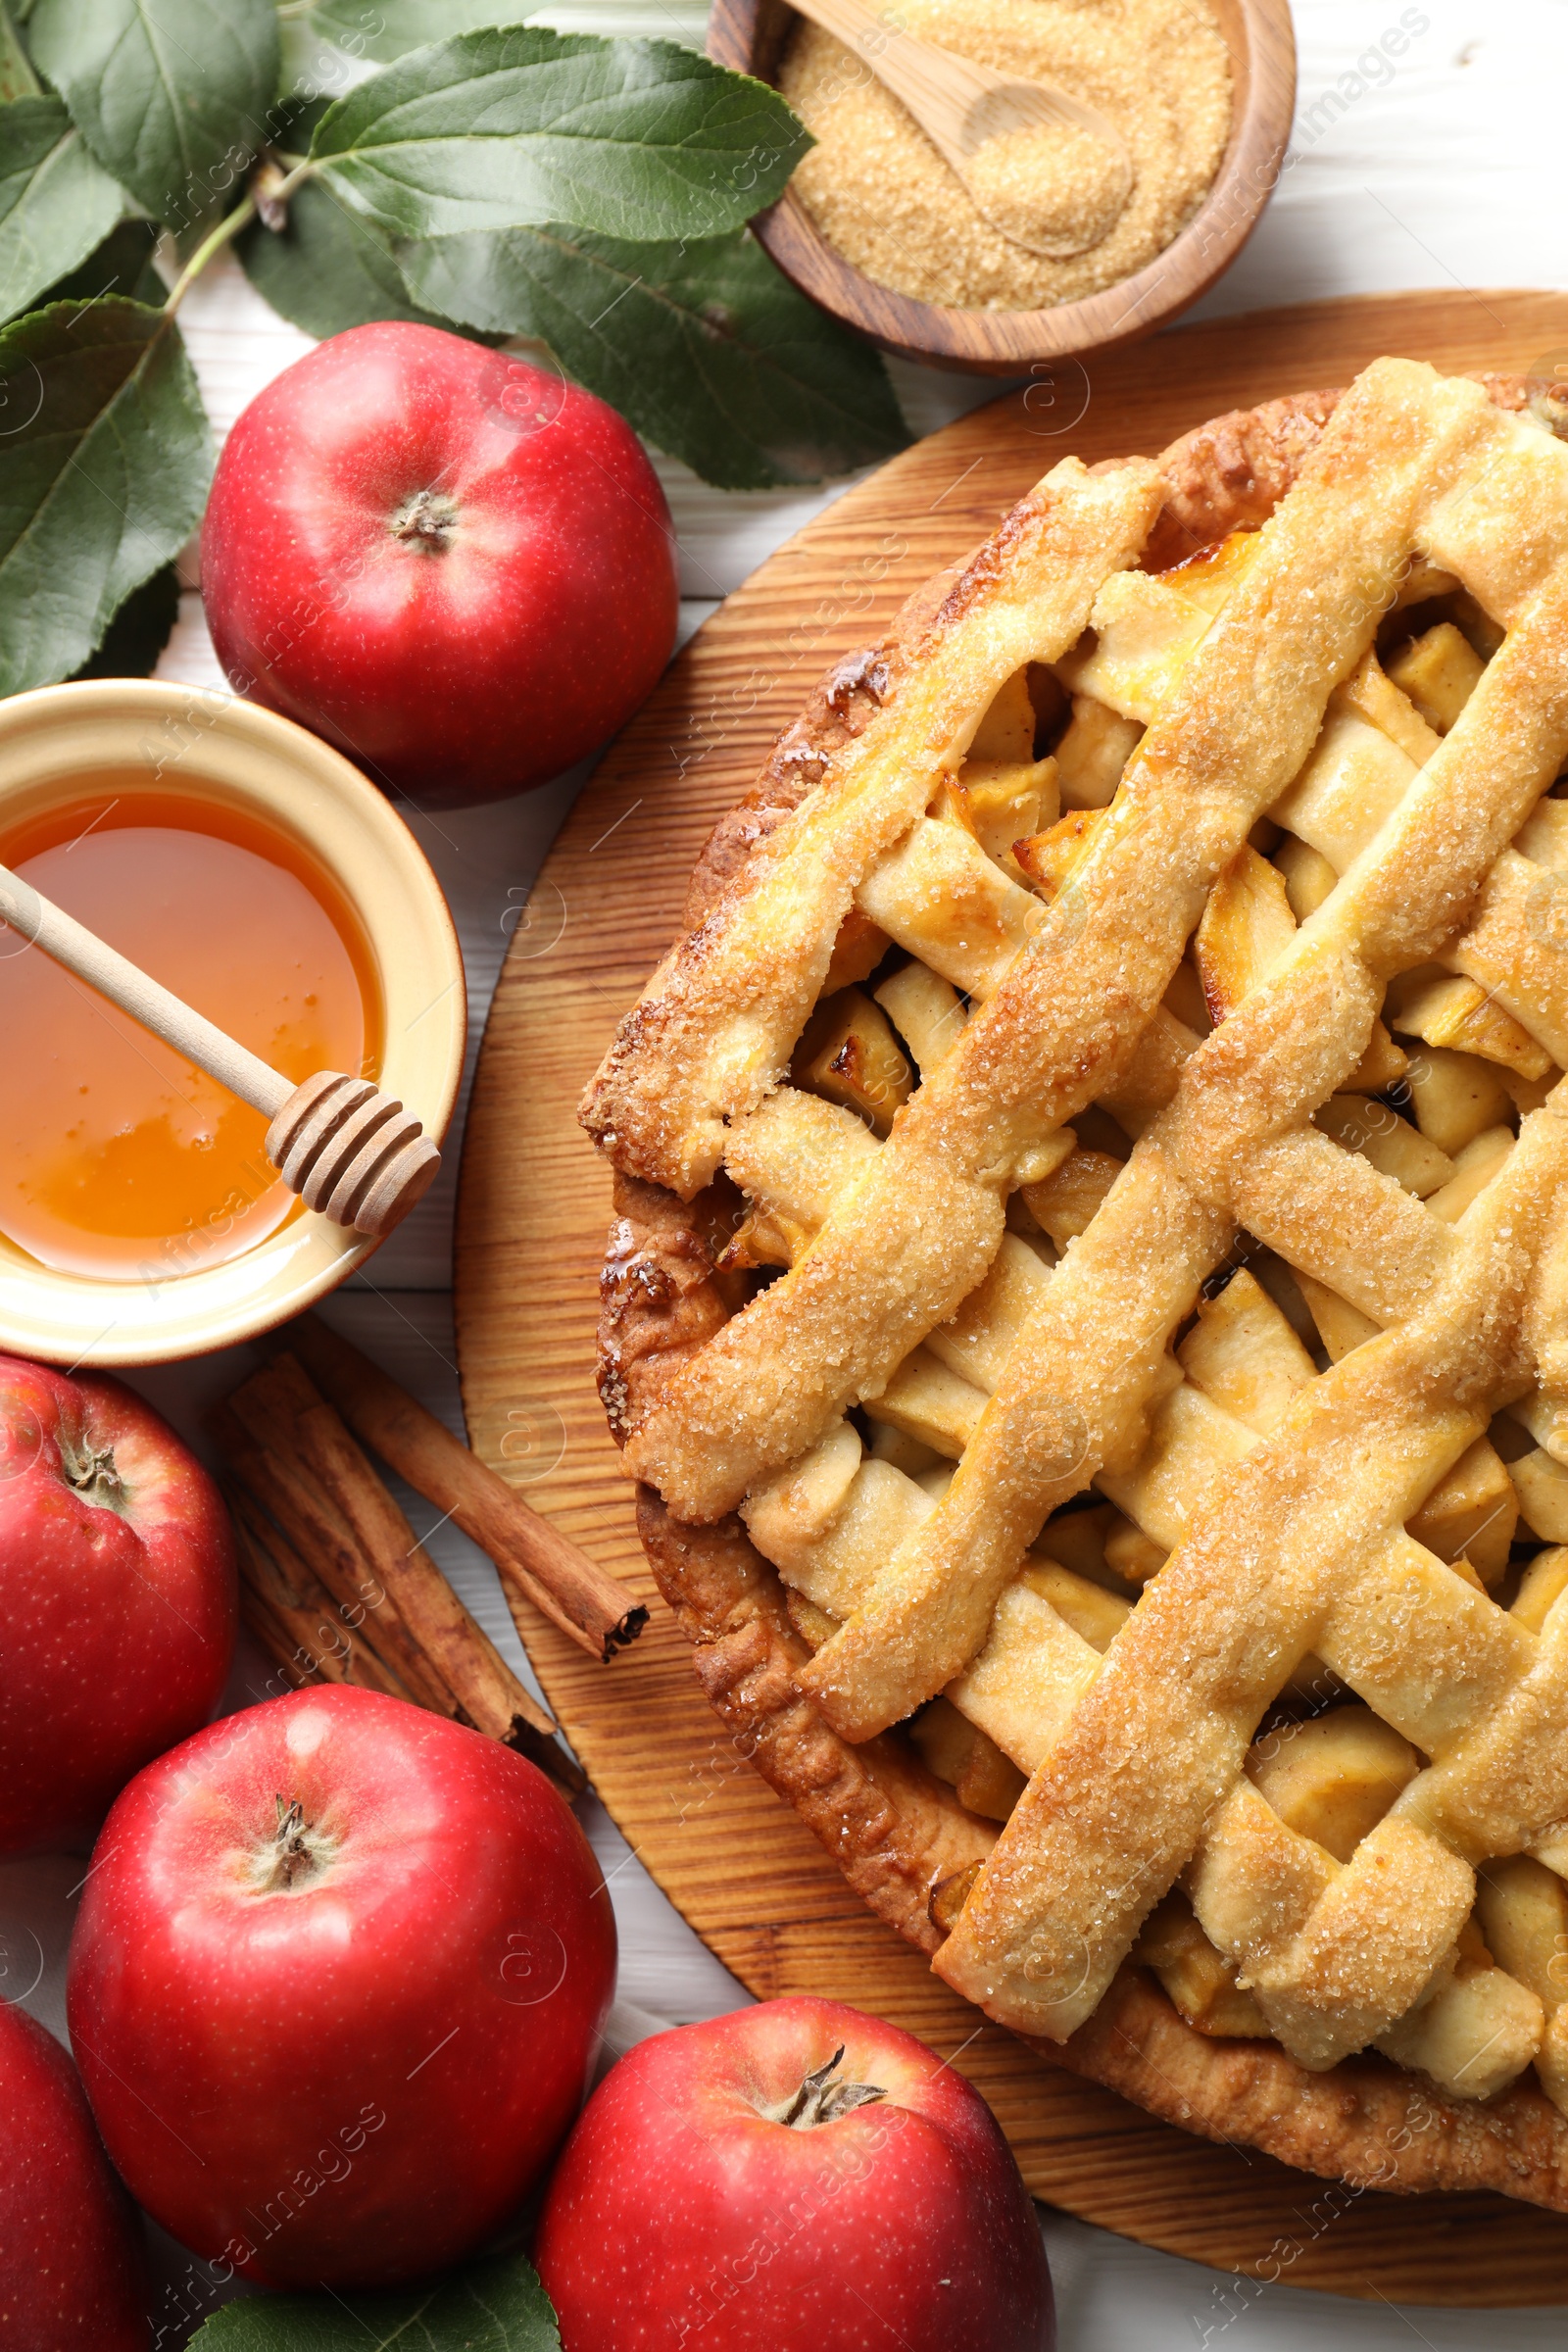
(335, 1987)
(73, 2267)
(456, 568)
(117, 1599)
(798, 2178)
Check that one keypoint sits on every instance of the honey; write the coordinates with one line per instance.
(119, 1159)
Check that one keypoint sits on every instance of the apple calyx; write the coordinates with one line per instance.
(91, 1473)
(294, 1853)
(427, 520)
(820, 2101)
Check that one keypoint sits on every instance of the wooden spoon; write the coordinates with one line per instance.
(350, 1152)
(965, 109)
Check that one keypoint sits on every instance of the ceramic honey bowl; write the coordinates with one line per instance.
(255, 871)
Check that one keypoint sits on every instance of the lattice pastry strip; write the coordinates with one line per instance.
(1244, 715)
(832, 1520)
(1473, 2033)
(717, 1024)
(1469, 1656)
(830, 1523)
(1346, 1444)
(1372, 742)
(1229, 1152)
(1245, 685)
(942, 1406)
(1303, 1962)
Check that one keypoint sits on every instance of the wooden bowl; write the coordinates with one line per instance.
(749, 37)
(157, 737)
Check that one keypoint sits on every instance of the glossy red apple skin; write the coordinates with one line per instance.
(681, 2214)
(355, 2077)
(73, 2265)
(481, 653)
(118, 1598)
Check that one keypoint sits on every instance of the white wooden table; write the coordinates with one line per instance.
(1441, 170)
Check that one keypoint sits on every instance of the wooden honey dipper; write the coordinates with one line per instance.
(348, 1150)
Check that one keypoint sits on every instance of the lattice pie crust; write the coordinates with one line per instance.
(1088, 1312)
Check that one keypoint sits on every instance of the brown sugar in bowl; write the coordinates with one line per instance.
(750, 36)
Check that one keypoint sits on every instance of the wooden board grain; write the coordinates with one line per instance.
(534, 1210)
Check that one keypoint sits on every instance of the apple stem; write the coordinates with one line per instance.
(265, 185)
(229, 227)
(95, 1476)
(820, 2101)
(293, 1856)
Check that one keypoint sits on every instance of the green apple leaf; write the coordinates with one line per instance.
(122, 264)
(496, 130)
(171, 95)
(393, 27)
(704, 347)
(105, 458)
(140, 630)
(56, 204)
(327, 269)
(16, 77)
(494, 2307)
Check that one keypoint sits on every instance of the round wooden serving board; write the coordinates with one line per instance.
(535, 1209)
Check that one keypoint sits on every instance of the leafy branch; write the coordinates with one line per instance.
(587, 194)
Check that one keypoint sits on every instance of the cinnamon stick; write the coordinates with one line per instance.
(461, 1651)
(292, 1659)
(537, 1564)
(272, 1639)
(294, 1614)
(280, 1483)
(293, 1453)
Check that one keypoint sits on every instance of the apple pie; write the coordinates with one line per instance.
(1088, 1307)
